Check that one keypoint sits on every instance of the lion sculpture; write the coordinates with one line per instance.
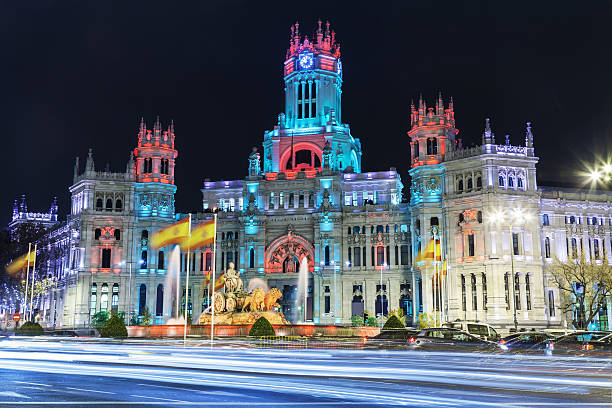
(255, 301)
(270, 300)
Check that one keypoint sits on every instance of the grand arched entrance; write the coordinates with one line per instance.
(284, 258)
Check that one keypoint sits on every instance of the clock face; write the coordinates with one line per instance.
(339, 67)
(306, 61)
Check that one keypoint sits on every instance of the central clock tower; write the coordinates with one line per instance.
(313, 78)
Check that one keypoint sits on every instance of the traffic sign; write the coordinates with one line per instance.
(16, 317)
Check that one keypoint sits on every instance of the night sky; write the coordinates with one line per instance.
(80, 74)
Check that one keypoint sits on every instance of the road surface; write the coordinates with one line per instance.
(49, 372)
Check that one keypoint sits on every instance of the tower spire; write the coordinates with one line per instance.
(487, 135)
(529, 136)
(89, 164)
(15, 210)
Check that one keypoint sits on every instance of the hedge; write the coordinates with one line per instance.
(114, 327)
(262, 327)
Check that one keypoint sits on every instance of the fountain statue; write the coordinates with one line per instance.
(235, 306)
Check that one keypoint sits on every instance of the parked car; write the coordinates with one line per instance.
(443, 338)
(390, 338)
(581, 342)
(482, 330)
(526, 340)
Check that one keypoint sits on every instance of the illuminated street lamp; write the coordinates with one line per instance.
(515, 217)
(599, 175)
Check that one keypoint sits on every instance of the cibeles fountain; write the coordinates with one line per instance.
(236, 306)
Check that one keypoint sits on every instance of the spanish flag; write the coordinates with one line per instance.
(172, 234)
(220, 282)
(21, 262)
(428, 253)
(203, 234)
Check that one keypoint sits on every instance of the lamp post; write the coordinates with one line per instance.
(382, 307)
(516, 217)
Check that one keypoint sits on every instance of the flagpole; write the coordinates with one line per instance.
(187, 284)
(27, 283)
(32, 288)
(212, 285)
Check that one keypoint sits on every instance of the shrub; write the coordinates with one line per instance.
(146, 318)
(262, 327)
(30, 329)
(356, 321)
(99, 319)
(393, 323)
(115, 327)
(372, 321)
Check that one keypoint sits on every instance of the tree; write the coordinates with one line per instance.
(393, 322)
(114, 327)
(583, 286)
(262, 327)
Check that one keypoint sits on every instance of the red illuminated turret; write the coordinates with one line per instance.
(322, 45)
(155, 154)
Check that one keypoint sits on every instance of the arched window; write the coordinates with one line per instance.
(117, 234)
(470, 184)
(356, 230)
(484, 291)
(118, 205)
(545, 220)
(433, 221)
(349, 231)
(251, 258)
(356, 256)
(142, 299)
(104, 298)
(143, 259)
(527, 292)
(380, 255)
(501, 181)
(387, 228)
(159, 301)
(93, 299)
(109, 204)
(144, 237)
(594, 222)
(479, 217)
(510, 181)
(97, 233)
(460, 185)
(415, 150)
(574, 248)
(517, 292)
(327, 255)
(547, 247)
(461, 217)
(208, 261)
(507, 290)
(478, 182)
(99, 204)
(115, 298)
(596, 248)
(474, 293)
(106, 258)
(431, 145)
(380, 228)
(160, 260)
(463, 294)
(572, 219)
(520, 182)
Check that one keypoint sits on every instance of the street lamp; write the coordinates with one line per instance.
(515, 217)
(601, 174)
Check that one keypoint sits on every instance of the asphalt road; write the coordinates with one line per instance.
(47, 373)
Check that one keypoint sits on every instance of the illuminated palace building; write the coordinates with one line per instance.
(310, 204)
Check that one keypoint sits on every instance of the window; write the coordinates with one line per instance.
(479, 182)
(327, 255)
(551, 303)
(432, 146)
(479, 217)
(97, 233)
(404, 255)
(433, 221)
(143, 259)
(354, 198)
(347, 199)
(380, 229)
(470, 184)
(142, 299)
(109, 204)
(281, 199)
(463, 298)
(396, 255)
(594, 221)
(507, 290)
(596, 248)
(357, 256)
(460, 185)
(160, 260)
(515, 243)
(520, 182)
(93, 299)
(144, 236)
(99, 204)
(547, 247)
(545, 220)
(363, 257)
(528, 292)
(461, 217)
(117, 234)
(106, 258)
(517, 292)
(159, 301)
(501, 181)
(251, 258)
(356, 230)
(484, 291)
(574, 248)
(118, 205)
(208, 261)
(510, 181)
(474, 293)
(380, 255)
(470, 245)
(372, 256)
(572, 219)
(104, 298)
(115, 298)
(350, 256)
(271, 204)
(415, 149)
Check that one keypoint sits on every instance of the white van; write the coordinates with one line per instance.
(482, 330)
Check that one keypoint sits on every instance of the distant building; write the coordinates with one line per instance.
(311, 203)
